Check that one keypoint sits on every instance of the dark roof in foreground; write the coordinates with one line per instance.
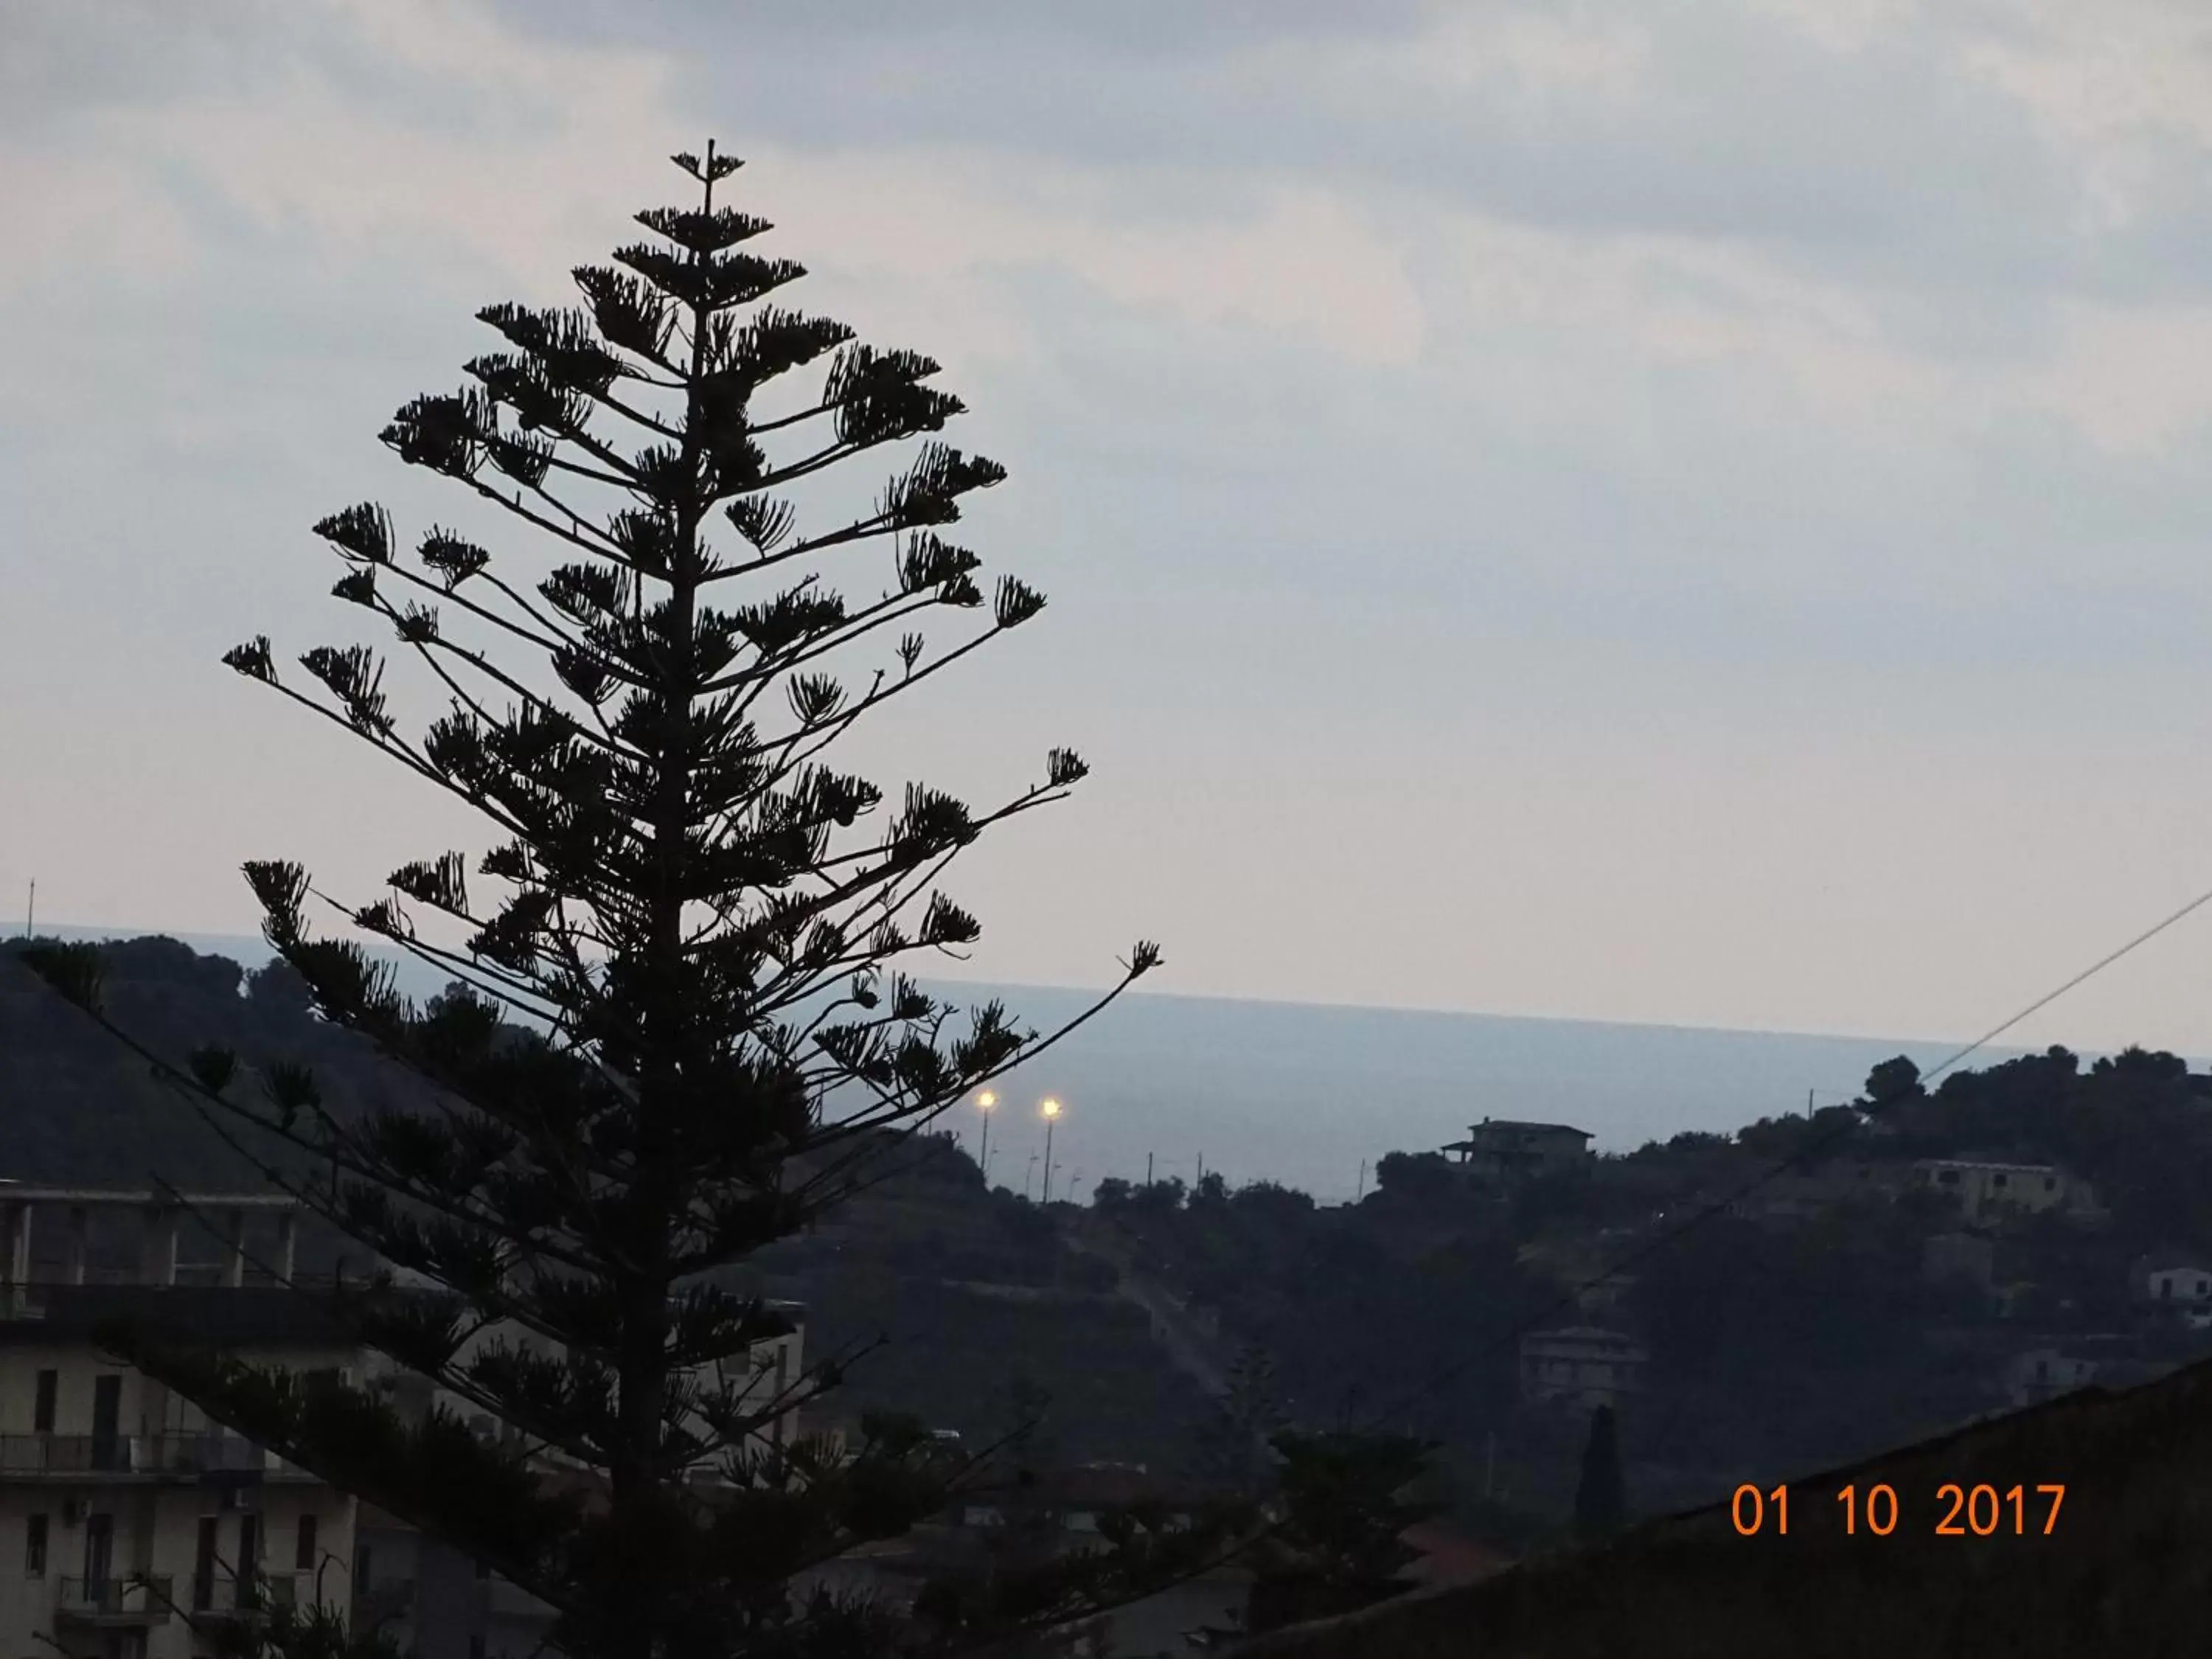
(2125, 1568)
(251, 1315)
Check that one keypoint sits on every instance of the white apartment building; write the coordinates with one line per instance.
(1582, 1364)
(122, 1508)
(132, 1516)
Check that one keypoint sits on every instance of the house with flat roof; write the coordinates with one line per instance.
(1988, 1191)
(1499, 1149)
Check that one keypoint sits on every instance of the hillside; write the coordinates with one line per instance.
(967, 1301)
(1845, 1306)
(1780, 1322)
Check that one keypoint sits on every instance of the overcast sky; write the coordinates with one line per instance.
(1681, 510)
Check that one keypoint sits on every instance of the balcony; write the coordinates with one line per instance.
(174, 1455)
(113, 1601)
(230, 1598)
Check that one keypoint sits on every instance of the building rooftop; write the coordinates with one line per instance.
(2119, 1571)
(14, 1192)
(1984, 1163)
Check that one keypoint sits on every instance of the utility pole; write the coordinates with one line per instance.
(1029, 1179)
(1051, 1110)
(31, 913)
(1360, 1191)
(1201, 1166)
(1148, 1169)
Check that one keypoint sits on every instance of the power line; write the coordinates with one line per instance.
(1819, 1143)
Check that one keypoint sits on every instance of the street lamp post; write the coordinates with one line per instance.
(984, 1101)
(1049, 1109)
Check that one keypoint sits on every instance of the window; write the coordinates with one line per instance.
(99, 1549)
(363, 1579)
(34, 1548)
(1998, 1179)
(42, 1409)
(247, 1573)
(203, 1565)
(1949, 1178)
(2051, 1183)
(303, 1553)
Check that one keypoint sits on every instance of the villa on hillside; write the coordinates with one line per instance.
(1989, 1191)
(1500, 1150)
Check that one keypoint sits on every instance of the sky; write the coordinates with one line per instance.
(1657, 512)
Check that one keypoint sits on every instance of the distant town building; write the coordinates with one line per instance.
(2061, 1365)
(1989, 1191)
(2173, 1280)
(1580, 1364)
(1500, 1150)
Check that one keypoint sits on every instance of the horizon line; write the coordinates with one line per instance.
(184, 936)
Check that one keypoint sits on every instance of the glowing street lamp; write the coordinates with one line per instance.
(984, 1101)
(1049, 1110)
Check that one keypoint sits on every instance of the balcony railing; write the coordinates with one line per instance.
(246, 1597)
(144, 1601)
(135, 1454)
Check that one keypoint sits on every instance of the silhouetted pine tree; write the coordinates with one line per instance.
(1234, 1451)
(682, 896)
(1344, 1501)
(1600, 1503)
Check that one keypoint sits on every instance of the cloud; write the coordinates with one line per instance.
(1298, 263)
(520, 155)
(1504, 394)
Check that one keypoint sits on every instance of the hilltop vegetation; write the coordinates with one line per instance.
(1781, 1335)
(1796, 1326)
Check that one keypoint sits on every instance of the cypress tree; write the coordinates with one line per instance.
(683, 1027)
(1600, 1503)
